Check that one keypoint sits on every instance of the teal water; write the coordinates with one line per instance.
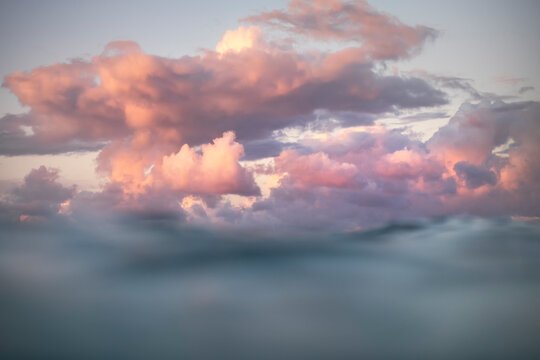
(450, 289)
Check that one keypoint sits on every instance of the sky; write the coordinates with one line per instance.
(300, 116)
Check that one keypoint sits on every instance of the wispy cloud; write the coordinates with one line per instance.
(510, 80)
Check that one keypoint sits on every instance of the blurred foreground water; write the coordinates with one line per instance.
(453, 289)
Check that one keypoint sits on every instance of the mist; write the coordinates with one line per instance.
(125, 288)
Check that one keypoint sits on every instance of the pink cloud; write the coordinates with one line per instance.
(381, 36)
(174, 129)
(139, 166)
(139, 108)
(215, 171)
(240, 39)
(407, 164)
(397, 177)
(253, 91)
(316, 169)
(509, 80)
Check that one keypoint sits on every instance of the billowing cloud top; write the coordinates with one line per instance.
(175, 134)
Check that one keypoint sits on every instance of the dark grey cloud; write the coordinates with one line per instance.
(15, 141)
(258, 149)
(113, 201)
(40, 195)
(524, 89)
(475, 176)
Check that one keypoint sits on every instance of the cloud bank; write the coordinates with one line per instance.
(207, 138)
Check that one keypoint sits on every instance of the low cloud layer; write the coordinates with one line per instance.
(97, 285)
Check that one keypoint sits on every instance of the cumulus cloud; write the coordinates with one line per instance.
(122, 94)
(139, 109)
(215, 171)
(356, 177)
(40, 195)
(370, 175)
(316, 169)
(240, 39)
(178, 137)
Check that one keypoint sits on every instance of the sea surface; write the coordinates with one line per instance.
(445, 289)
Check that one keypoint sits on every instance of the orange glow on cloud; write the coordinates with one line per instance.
(240, 39)
(215, 171)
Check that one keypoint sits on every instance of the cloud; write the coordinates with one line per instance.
(509, 80)
(455, 83)
(240, 39)
(474, 176)
(40, 195)
(159, 192)
(370, 175)
(524, 89)
(381, 36)
(138, 109)
(87, 285)
(114, 200)
(177, 136)
(356, 177)
(17, 138)
(264, 148)
(215, 171)
(316, 169)
(121, 95)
